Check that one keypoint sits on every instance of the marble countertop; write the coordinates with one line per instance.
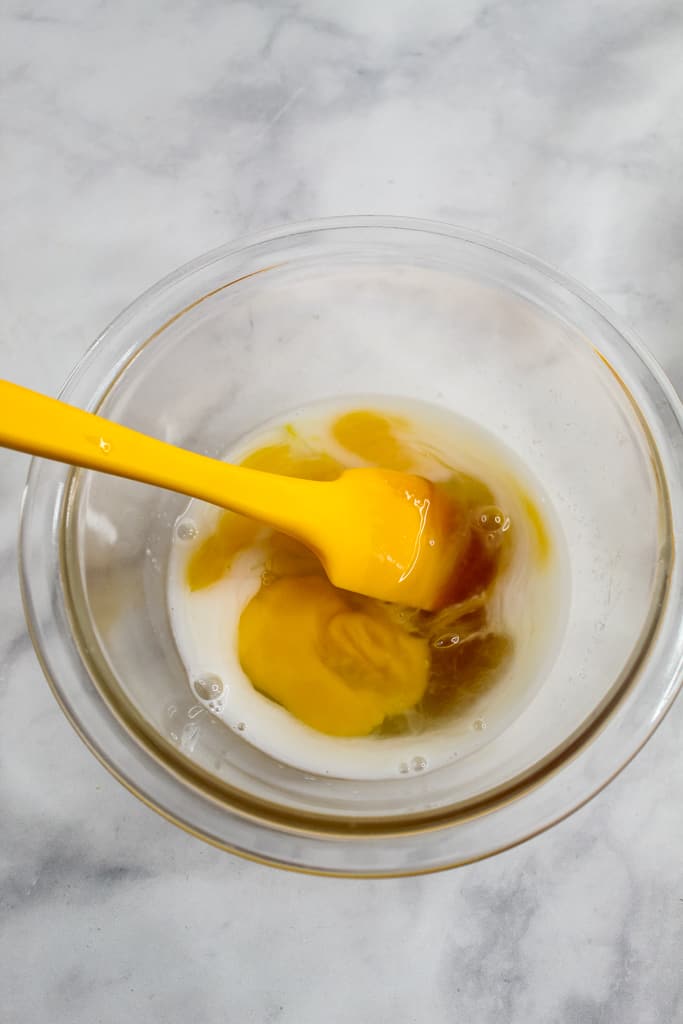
(136, 135)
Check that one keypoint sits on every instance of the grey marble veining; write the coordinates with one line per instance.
(135, 136)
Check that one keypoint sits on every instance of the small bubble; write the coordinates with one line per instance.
(195, 710)
(493, 520)
(447, 640)
(186, 530)
(105, 446)
(208, 686)
(403, 768)
(418, 764)
(479, 724)
(241, 726)
(268, 578)
(171, 710)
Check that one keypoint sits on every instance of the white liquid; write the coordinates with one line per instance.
(528, 603)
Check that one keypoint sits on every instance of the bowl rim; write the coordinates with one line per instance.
(239, 247)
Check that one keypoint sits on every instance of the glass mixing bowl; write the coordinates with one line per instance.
(355, 307)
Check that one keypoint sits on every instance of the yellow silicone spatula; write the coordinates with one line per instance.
(385, 534)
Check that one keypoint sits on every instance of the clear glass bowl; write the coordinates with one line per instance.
(351, 307)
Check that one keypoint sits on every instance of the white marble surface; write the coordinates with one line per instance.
(136, 135)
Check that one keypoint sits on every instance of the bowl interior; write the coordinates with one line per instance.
(402, 314)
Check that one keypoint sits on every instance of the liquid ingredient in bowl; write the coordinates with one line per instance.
(347, 665)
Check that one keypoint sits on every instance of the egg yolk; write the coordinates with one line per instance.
(339, 667)
(374, 438)
(349, 665)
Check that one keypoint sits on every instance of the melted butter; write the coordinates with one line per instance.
(533, 515)
(348, 665)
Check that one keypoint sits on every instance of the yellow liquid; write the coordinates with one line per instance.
(348, 665)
